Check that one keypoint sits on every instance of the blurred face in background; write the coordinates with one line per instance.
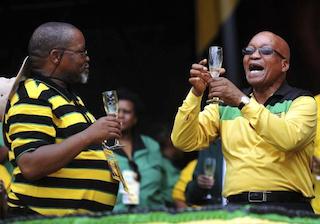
(127, 114)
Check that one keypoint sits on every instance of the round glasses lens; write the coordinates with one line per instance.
(249, 50)
(266, 50)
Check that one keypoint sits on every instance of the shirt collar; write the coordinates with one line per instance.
(281, 92)
(66, 93)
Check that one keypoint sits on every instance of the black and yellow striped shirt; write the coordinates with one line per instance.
(42, 113)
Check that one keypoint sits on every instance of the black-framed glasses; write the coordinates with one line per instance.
(82, 53)
(262, 50)
(134, 166)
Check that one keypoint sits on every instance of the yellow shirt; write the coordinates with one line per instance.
(316, 201)
(178, 192)
(265, 148)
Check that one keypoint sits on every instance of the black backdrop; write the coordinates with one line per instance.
(148, 46)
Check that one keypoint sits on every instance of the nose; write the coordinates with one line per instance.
(120, 114)
(255, 54)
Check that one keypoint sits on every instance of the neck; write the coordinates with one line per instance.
(59, 81)
(126, 140)
(263, 94)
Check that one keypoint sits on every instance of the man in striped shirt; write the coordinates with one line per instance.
(54, 141)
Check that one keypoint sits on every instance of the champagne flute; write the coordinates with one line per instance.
(215, 63)
(209, 167)
(111, 106)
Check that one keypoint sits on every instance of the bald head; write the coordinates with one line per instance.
(275, 41)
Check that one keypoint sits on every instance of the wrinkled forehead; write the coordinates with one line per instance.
(262, 39)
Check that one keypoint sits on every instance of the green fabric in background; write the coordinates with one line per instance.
(180, 217)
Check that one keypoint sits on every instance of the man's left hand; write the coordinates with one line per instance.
(225, 90)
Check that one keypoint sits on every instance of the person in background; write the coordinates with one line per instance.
(316, 163)
(206, 189)
(179, 189)
(150, 176)
(267, 131)
(54, 141)
(177, 157)
(5, 166)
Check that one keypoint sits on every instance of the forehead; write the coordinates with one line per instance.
(262, 39)
(123, 103)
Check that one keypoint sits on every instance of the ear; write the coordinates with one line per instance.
(55, 56)
(285, 65)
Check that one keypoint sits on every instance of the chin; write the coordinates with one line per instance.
(84, 77)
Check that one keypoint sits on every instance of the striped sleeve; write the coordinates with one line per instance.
(31, 125)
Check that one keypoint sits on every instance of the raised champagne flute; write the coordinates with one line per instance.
(209, 168)
(215, 59)
(111, 106)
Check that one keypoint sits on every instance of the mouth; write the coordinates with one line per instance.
(254, 67)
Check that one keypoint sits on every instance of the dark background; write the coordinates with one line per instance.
(148, 46)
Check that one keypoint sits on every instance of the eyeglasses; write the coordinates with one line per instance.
(262, 51)
(82, 53)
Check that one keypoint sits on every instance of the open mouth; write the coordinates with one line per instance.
(255, 67)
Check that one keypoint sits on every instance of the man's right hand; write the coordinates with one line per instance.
(107, 127)
(205, 181)
(199, 77)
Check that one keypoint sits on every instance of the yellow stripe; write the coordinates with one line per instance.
(5, 176)
(30, 109)
(33, 89)
(91, 155)
(59, 212)
(58, 101)
(69, 119)
(83, 174)
(210, 14)
(92, 118)
(59, 193)
(20, 127)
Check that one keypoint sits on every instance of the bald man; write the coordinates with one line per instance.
(267, 130)
(54, 142)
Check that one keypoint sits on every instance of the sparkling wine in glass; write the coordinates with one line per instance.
(209, 167)
(215, 59)
(111, 106)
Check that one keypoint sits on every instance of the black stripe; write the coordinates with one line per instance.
(34, 135)
(71, 130)
(30, 118)
(22, 92)
(67, 183)
(64, 109)
(88, 164)
(64, 203)
(15, 202)
(47, 94)
(30, 145)
(31, 101)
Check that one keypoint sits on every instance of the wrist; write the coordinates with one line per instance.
(196, 92)
(244, 100)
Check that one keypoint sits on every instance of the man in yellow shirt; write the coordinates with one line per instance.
(267, 131)
(316, 163)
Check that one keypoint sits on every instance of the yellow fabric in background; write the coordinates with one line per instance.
(178, 192)
(5, 176)
(210, 15)
(316, 202)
